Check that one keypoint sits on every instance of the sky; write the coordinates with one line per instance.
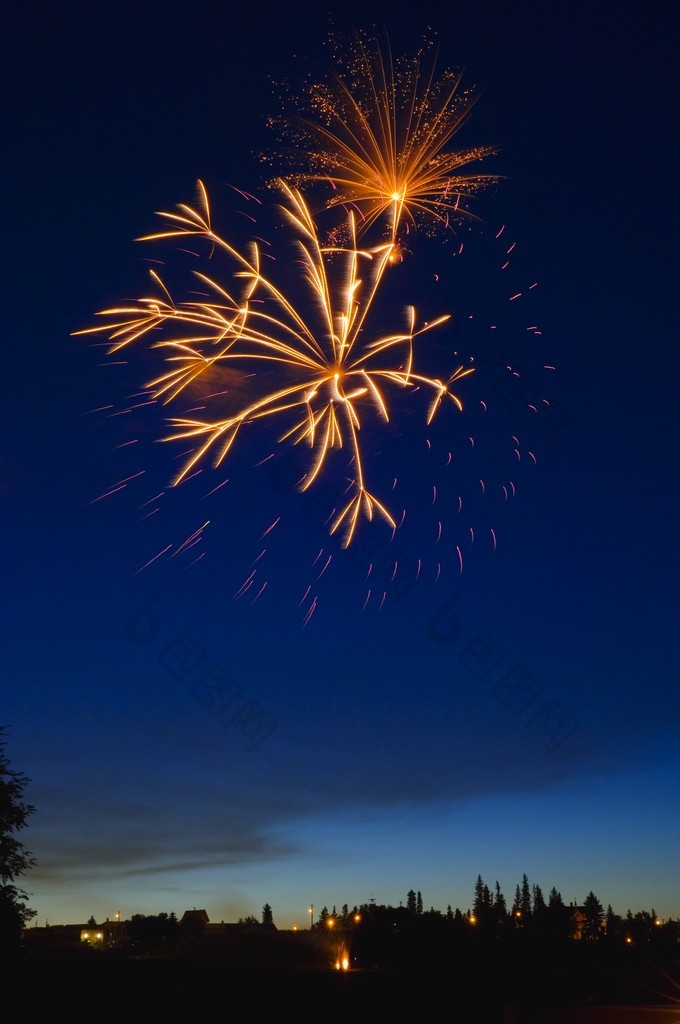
(199, 736)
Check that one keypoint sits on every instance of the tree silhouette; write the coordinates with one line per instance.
(482, 904)
(525, 899)
(594, 916)
(500, 910)
(15, 860)
(557, 916)
(538, 908)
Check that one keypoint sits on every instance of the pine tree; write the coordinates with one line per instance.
(538, 906)
(594, 916)
(613, 923)
(557, 916)
(500, 909)
(482, 905)
(411, 901)
(479, 904)
(517, 908)
(525, 899)
(419, 902)
(267, 916)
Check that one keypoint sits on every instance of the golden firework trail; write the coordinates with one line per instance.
(310, 364)
(378, 130)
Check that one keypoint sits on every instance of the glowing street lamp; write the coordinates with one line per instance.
(310, 911)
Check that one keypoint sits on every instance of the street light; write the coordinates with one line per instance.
(311, 912)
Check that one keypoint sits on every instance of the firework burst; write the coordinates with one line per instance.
(310, 366)
(378, 131)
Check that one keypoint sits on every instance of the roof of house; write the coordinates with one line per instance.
(195, 917)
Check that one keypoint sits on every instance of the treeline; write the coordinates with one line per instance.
(530, 913)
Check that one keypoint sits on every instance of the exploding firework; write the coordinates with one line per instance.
(378, 131)
(309, 365)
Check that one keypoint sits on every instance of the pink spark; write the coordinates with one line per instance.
(191, 537)
(270, 528)
(246, 585)
(148, 514)
(328, 562)
(107, 494)
(310, 612)
(216, 488)
(160, 494)
(151, 560)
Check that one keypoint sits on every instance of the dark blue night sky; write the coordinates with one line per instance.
(520, 715)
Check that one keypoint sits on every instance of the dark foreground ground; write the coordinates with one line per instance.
(575, 983)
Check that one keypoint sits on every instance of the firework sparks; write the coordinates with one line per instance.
(379, 130)
(313, 367)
